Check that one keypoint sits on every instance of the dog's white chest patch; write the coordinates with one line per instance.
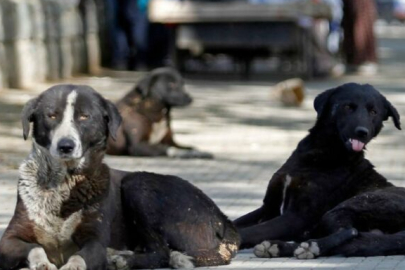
(159, 131)
(43, 206)
(287, 182)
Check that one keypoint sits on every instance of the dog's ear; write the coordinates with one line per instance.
(143, 86)
(114, 119)
(26, 116)
(391, 111)
(321, 100)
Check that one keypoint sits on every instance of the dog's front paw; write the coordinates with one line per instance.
(307, 251)
(118, 259)
(38, 260)
(118, 262)
(75, 262)
(266, 250)
(179, 260)
(43, 266)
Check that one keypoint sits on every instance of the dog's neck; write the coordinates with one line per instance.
(152, 108)
(51, 171)
(52, 186)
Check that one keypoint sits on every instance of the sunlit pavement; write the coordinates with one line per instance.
(250, 134)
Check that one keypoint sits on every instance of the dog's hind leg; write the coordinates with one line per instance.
(125, 260)
(372, 244)
(221, 255)
(157, 255)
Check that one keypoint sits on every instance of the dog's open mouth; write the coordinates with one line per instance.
(356, 145)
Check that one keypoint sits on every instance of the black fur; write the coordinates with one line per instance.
(334, 191)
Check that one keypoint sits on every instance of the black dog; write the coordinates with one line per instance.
(146, 128)
(327, 188)
(71, 206)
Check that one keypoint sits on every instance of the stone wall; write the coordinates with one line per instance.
(47, 40)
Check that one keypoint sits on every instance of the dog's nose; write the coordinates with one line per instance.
(361, 132)
(66, 146)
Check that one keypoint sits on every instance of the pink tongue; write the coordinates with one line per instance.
(357, 145)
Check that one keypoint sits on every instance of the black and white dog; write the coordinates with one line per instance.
(328, 190)
(71, 206)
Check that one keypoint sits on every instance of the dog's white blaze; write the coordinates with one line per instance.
(286, 184)
(159, 131)
(67, 129)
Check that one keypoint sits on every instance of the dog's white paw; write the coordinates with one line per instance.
(179, 260)
(75, 262)
(43, 266)
(266, 250)
(117, 259)
(38, 260)
(117, 262)
(307, 251)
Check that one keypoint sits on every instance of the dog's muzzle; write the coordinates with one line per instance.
(66, 146)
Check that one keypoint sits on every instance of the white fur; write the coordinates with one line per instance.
(37, 260)
(286, 185)
(117, 262)
(266, 250)
(67, 129)
(159, 131)
(116, 259)
(76, 262)
(307, 251)
(43, 190)
(179, 260)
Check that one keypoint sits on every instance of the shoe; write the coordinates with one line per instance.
(366, 69)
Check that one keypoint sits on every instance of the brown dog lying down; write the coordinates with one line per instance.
(146, 130)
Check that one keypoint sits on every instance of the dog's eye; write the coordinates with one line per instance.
(349, 108)
(373, 112)
(52, 116)
(83, 117)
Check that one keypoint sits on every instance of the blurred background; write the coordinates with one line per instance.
(49, 40)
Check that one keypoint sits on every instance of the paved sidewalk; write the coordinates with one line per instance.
(250, 134)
